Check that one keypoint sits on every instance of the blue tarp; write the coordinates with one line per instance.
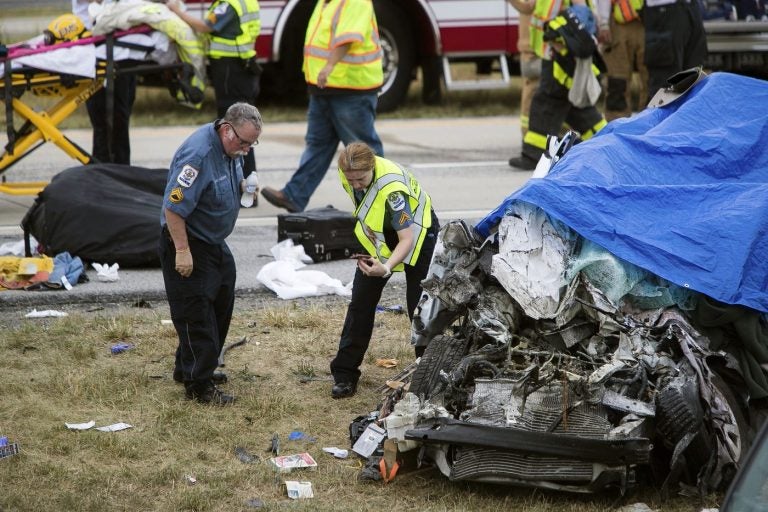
(681, 191)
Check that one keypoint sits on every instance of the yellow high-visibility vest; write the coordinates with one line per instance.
(625, 11)
(250, 26)
(340, 22)
(389, 177)
(543, 11)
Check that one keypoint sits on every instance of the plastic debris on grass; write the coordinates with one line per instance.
(339, 453)
(8, 449)
(298, 435)
(118, 348)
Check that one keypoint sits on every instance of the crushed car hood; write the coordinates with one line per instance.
(698, 167)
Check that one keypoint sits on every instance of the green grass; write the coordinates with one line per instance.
(61, 370)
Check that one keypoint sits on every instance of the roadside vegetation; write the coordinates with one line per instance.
(62, 370)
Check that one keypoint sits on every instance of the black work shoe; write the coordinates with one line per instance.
(218, 377)
(523, 162)
(210, 395)
(279, 199)
(343, 389)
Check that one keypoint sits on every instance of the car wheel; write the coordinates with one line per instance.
(735, 435)
(399, 54)
(442, 354)
(736, 428)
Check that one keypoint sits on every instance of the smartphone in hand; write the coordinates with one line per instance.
(360, 257)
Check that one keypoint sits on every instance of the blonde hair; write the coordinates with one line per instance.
(357, 156)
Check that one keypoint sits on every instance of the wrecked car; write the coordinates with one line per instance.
(605, 326)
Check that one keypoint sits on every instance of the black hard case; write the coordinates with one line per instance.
(326, 233)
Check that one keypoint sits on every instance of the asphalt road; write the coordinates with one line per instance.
(462, 162)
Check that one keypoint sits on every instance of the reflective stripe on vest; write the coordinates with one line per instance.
(250, 25)
(340, 22)
(389, 177)
(543, 11)
(625, 11)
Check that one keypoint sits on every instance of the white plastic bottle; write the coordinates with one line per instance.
(251, 188)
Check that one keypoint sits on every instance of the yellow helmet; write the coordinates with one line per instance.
(66, 27)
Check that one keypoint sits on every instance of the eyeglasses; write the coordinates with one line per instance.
(243, 143)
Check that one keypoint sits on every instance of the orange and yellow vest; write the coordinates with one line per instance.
(336, 23)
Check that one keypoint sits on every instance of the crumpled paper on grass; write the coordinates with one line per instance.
(45, 313)
(281, 276)
(298, 490)
(115, 427)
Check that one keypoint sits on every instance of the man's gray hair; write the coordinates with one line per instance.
(241, 112)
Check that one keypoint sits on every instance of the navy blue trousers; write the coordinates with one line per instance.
(361, 312)
(201, 307)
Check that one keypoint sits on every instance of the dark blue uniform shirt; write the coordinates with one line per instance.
(204, 186)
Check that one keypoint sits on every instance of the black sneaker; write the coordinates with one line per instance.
(218, 377)
(210, 395)
(523, 162)
(343, 389)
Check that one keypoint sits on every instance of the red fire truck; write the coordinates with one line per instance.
(431, 35)
(415, 34)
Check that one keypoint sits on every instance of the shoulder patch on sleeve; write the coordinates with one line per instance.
(396, 201)
(187, 176)
(176, 195)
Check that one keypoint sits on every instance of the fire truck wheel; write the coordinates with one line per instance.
(399, 54)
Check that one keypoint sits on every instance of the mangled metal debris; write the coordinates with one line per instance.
(551, 363)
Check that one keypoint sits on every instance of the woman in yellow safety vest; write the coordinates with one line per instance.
(398, 228)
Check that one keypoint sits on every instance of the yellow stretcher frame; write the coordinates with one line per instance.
(45, 125)
(41, 127)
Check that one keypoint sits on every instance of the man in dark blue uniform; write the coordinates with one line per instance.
(200, 206)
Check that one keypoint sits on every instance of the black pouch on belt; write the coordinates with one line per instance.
(252, 66)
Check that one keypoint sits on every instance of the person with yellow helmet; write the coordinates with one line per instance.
(343, 71)
(398, 228)
(232, 27)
